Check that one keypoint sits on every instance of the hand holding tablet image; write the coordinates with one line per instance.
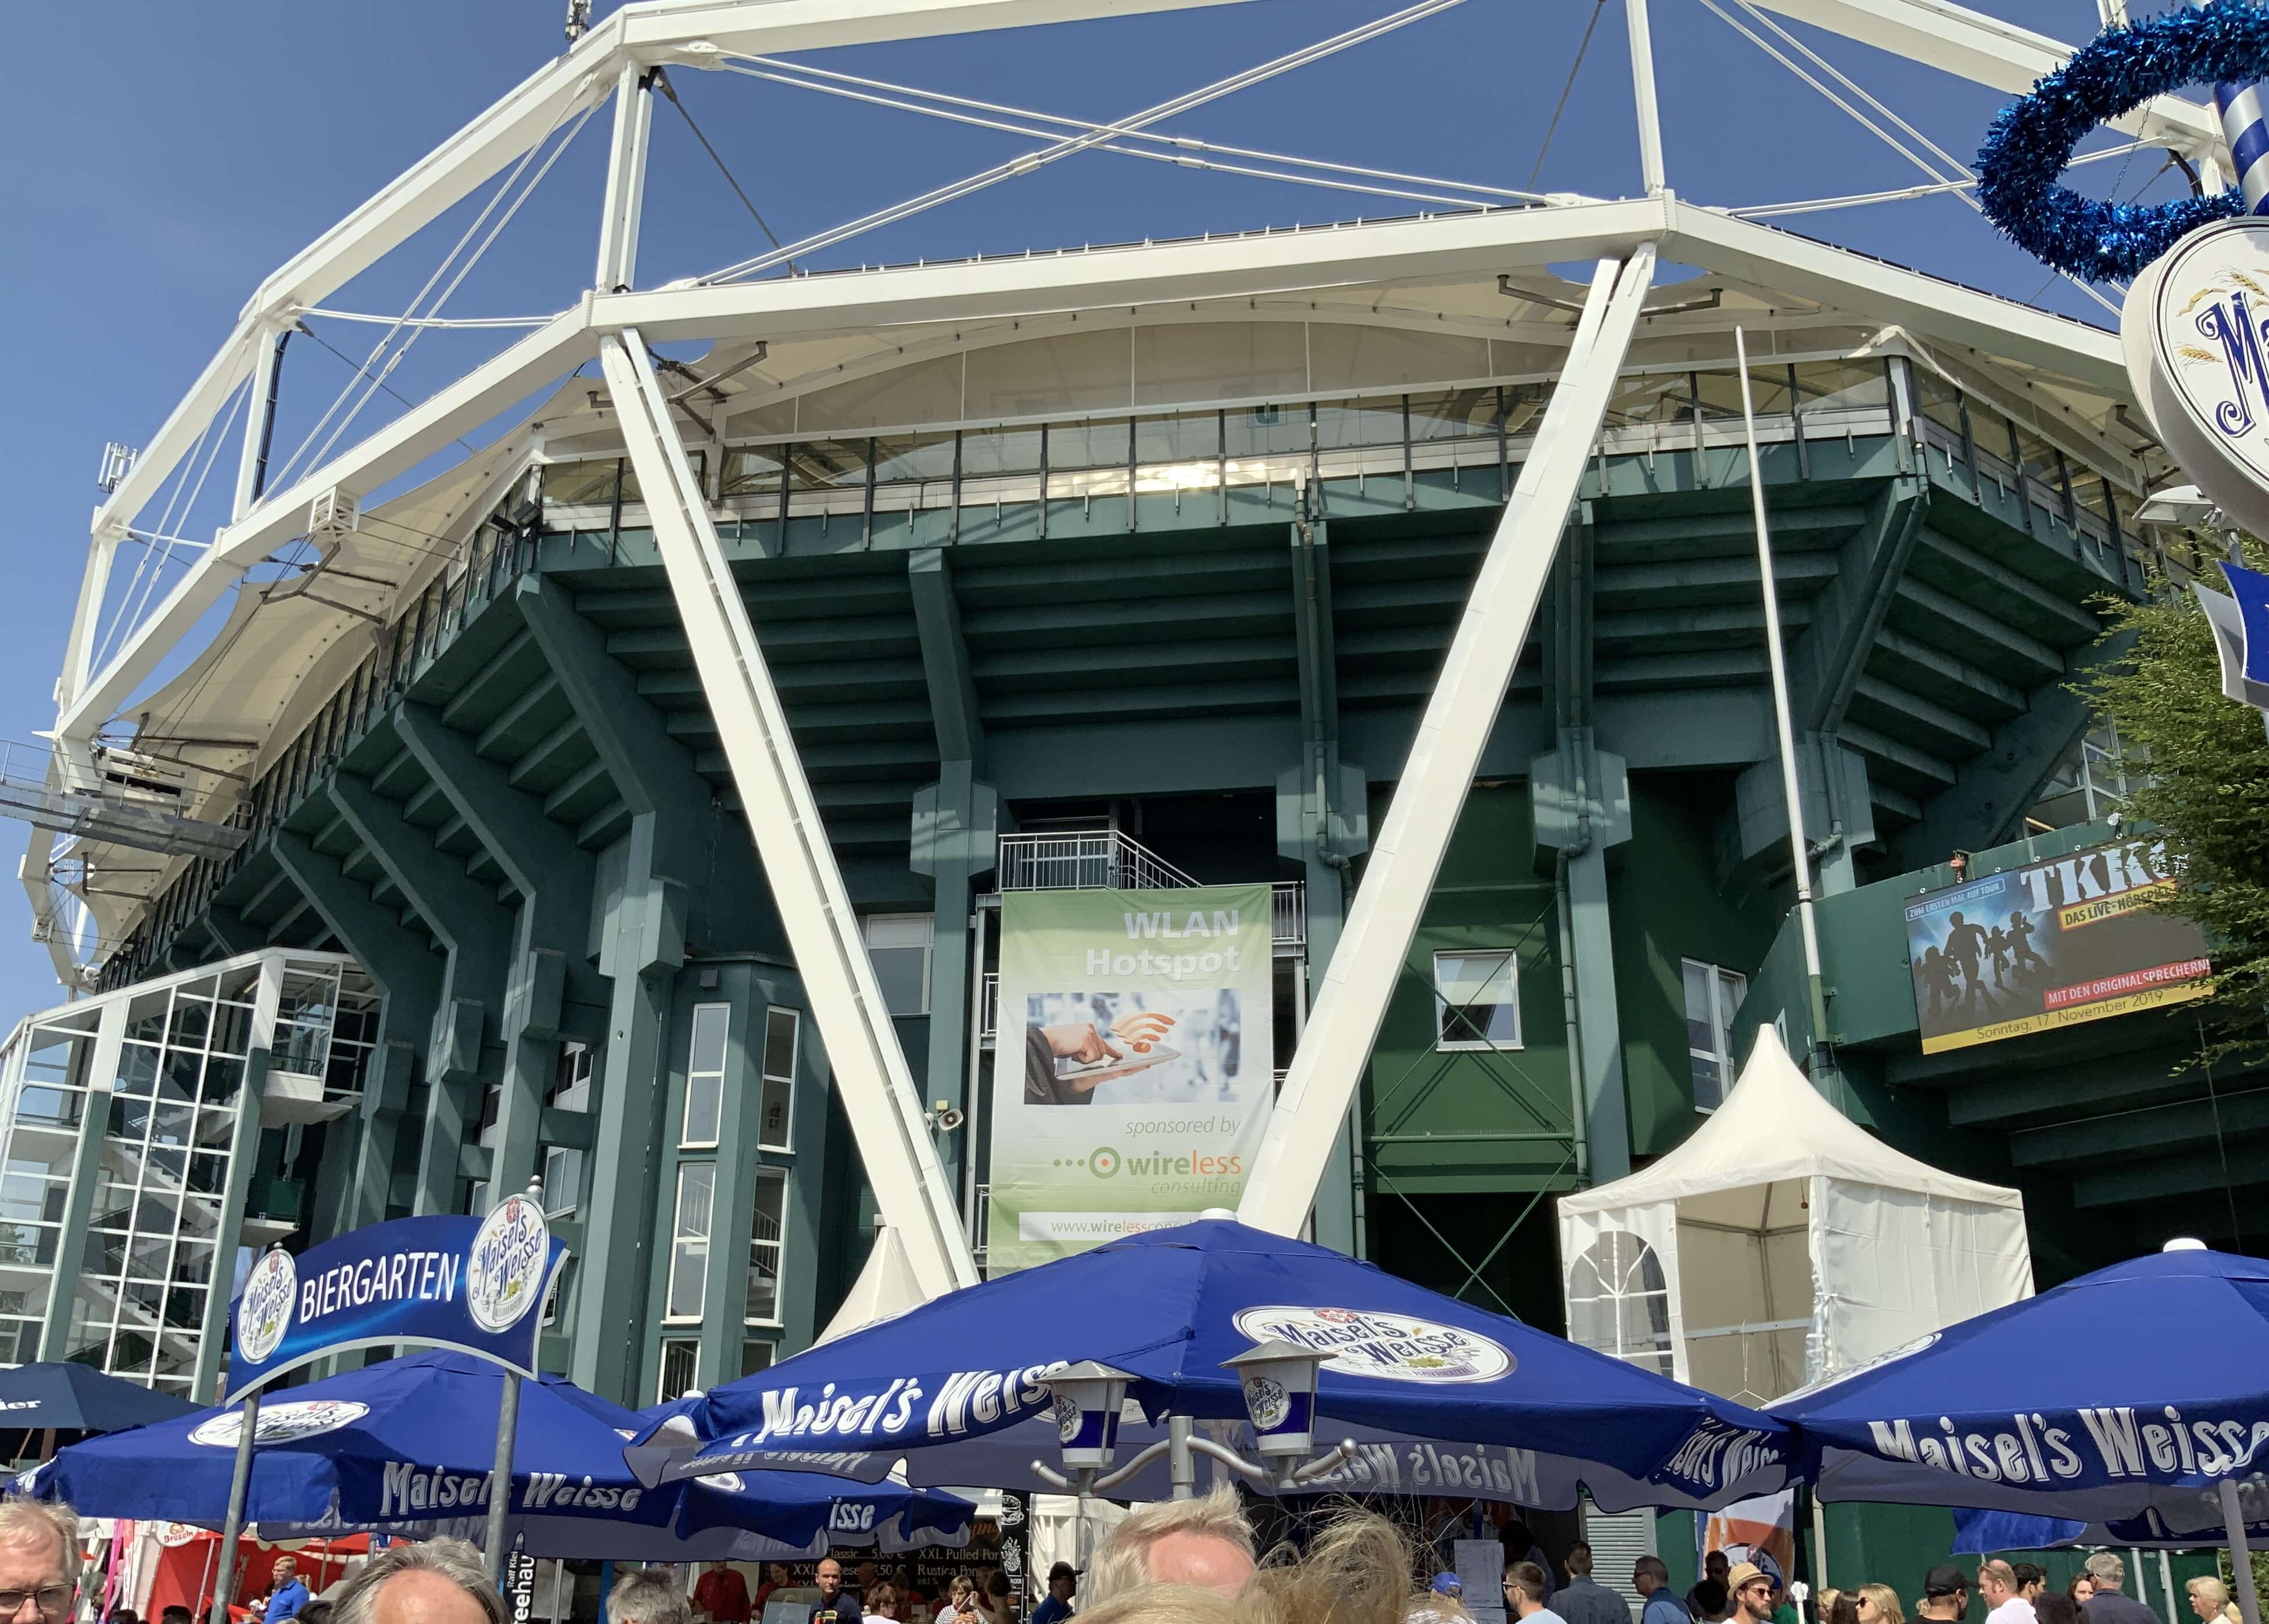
(1135, 1048)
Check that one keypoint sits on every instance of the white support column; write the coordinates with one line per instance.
(1407, 854)
(870, 1069)
(265, 359)
(1642, 97)
(618, 224)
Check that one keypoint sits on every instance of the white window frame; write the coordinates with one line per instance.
(779, 1176)
(703, 1082)
(766, 1077)
(1721, 1021)
(1442, 1005)
(573, 1160)
(868, 930)
(688, 1249)
(661, 1393)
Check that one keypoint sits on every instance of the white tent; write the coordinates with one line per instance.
(1783, 1242)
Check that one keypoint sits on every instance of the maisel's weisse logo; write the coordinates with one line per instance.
(264, 1312)
(1377, 1343)
(1066, 1413)
(1266, 1402)
(505, 1275)
(2195, 331)
(281, 1424)
(2113, 1443)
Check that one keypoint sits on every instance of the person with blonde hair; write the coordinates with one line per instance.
(1206, 1542)
(1878, 1604)
(2210, 1600)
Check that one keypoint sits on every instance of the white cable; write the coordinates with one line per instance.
(1829, 68)
(1070, 144)
(1821, 205)
(453, 322)
(1880, 133)
(1188, 143)
(156, 559)
(409, 310)
(1179, 160)
(526, 191)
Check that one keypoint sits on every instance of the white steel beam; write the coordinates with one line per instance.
(1883, 291)
(1247, 265)
(870, 1070)
(550, 352)
(1365, 257)
(1973, 46)
(180, 430)
(1352, 998)
(779, 26)
(626, 195)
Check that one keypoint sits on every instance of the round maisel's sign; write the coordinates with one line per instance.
(505, 1271)
(263, 1314)
(281, 1424)
(1378, 1343)
(2195, 332)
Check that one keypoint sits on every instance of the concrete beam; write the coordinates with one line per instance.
(1986, 802)
(2126, 1135)
(945, 660)
(1826, 662)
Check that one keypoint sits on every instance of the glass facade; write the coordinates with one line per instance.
(124, 1116)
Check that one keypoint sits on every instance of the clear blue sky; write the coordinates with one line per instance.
(165, 158)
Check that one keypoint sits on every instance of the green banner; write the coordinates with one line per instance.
(1133, 1067)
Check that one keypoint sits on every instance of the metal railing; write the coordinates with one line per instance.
(1098, 860)
(1288, 921)
(126, 797)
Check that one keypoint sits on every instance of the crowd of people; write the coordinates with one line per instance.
(1188, 1562)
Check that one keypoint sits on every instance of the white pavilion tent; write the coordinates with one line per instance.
(1783, 1242)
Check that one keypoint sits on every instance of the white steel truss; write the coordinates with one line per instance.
(1351, 998)
(615, 321)
(863, 1052)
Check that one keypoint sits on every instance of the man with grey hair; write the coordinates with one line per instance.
(651, 1596)
(39, 1559)
(2109, 1605)
(436, 1581)
(1206, 1542)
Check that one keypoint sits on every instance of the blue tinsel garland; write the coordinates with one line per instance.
(2031, 141)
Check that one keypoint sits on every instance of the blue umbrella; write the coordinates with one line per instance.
(2137, 1392)
(1977, 1533)
(2139, 1388)
(1441, 1397)
(79, 1398)
(405, 1446)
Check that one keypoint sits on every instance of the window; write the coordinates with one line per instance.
(705, 1075)
(689, 1249)
(1477, 1000)
(765, 1241)
(776, 1118)
(555, 1303)
(1619, 1302)
(563, 1180)
(681, 1365)
(1713, 995)
(570, 1083)
(899, 945)
(755, 1356)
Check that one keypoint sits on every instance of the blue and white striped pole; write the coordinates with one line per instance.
(2246, 128)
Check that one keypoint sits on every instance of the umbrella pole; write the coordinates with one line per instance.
(501, 1481)
(240, 1481)
(2241, 1560)
(1181, 1468)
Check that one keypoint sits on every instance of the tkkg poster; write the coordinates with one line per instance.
(2053, 943)
(1132, 1069)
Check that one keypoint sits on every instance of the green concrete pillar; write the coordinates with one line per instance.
(957, 824)
(1580, 797)
(642, 945)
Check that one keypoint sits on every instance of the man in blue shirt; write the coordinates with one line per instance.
(1063, 1585)
(285, 1594)
(1650, 1578)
